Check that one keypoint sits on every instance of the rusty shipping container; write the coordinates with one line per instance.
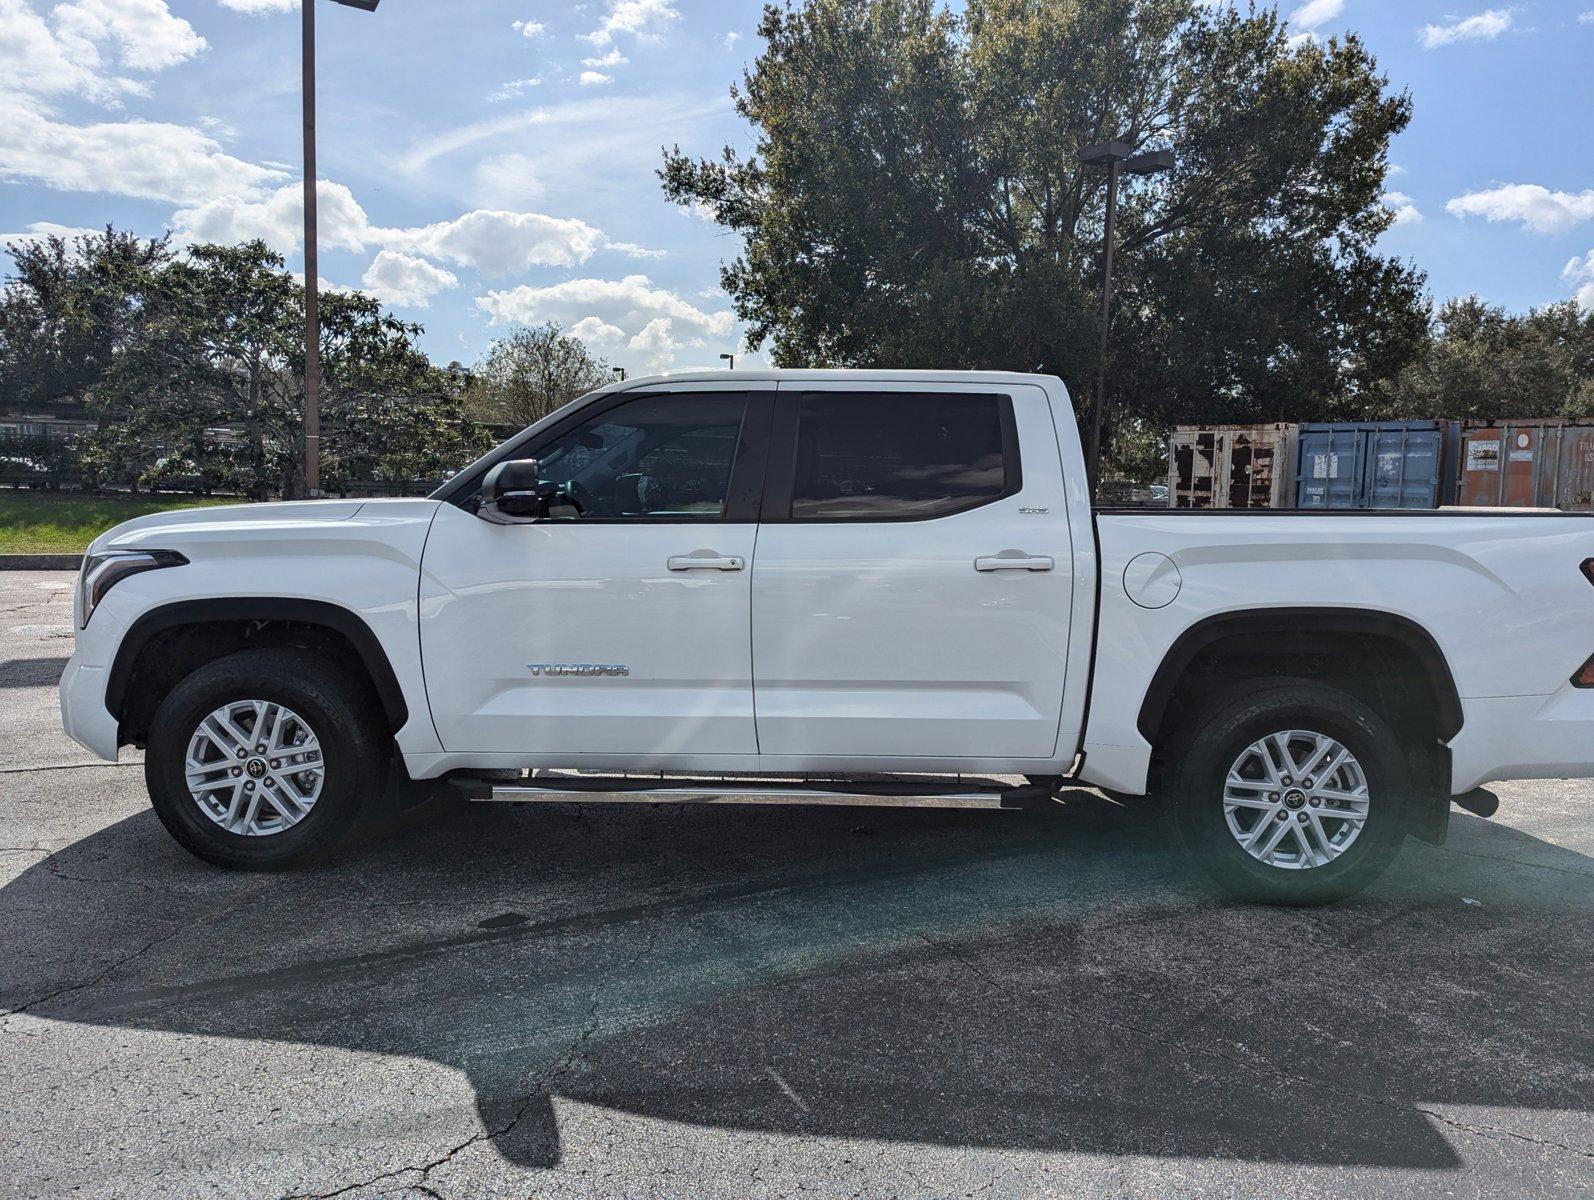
(1231, 466)
(1528, 464)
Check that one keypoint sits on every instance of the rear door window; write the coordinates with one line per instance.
(884, 456)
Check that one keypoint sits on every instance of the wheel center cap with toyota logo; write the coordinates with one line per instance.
(1294, 798)
(256, 767)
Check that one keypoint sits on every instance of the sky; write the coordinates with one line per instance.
(491, 162)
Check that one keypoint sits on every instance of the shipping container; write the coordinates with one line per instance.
(1377, 464)
(1528, 464)
(1231, 466)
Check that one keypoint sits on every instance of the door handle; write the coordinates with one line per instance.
(704, 560)
(1014, 560)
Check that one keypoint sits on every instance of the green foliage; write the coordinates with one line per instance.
(193, 365)
(916, 198)
(22, 455)
(1485, 363)
(530, 373)
(66, 311)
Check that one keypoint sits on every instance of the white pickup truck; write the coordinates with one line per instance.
(814, 586)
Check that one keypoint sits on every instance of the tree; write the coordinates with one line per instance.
(210, 387)
(66, 309)
(1488, 364)
(915, 198)
(528, 374)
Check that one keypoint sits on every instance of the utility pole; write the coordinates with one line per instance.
(1117, 157)
(312, 287)
(312, 279)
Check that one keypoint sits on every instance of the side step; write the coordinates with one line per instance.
(557, 787)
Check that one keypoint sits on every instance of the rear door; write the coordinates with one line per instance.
(913, 576)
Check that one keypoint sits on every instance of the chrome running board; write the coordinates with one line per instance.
(570, 787)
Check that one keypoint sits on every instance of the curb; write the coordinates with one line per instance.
(40, 562)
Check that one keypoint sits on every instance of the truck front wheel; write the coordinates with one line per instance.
(264, 759)
(1288, 792)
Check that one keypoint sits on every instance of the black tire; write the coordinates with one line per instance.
(1211, 741)
(341, 709)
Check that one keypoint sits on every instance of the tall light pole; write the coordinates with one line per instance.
(729, 358)
(1118, 158)
(312, 283)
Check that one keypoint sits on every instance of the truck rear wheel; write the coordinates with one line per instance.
(265, 758)
(1289, 792)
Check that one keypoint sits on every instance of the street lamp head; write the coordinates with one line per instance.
(367, 5)
(1105, 153)
(1149, 163)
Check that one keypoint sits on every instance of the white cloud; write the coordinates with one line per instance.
(502, 243)
(39, 230)
(515, 87)
(63, 55)
(1586, 18)
(260, 6)
(642, 19)
(508, 180)
(655, 345)
(404, 280)
(1308, 17)
(1404, 208)
(1580, 271)
(495, 242)
(278, 219)
(612, 59)
(608, 133)
(631, 304)
(145, 33)
(598, 333)
(1316, 12)
(149, 160)
(528, 28)
(731, 39)
(1486, 26)
(1536, 207)
(588, 78)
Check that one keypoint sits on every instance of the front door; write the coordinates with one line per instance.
(622, 631)
(913, 581)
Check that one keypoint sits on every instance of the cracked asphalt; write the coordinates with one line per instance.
(681, 1001)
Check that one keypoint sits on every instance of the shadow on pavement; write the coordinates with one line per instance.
(31, 672)
(1034, 981)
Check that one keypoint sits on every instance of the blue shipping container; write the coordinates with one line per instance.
(1377, 464)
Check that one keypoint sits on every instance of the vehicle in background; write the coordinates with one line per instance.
(858, 586)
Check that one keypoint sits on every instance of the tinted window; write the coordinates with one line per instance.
(892, 455)
(658, 456)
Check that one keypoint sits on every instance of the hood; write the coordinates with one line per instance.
(149, 531)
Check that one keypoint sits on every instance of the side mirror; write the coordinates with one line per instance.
(515, 491)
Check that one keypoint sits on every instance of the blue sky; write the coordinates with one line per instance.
(492, 161)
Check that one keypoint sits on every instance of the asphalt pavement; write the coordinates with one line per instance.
(718, 1001)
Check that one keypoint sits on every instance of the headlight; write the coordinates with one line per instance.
(102, 572)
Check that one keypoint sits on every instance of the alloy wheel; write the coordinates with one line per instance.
(1295, 799)
(255, 768)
